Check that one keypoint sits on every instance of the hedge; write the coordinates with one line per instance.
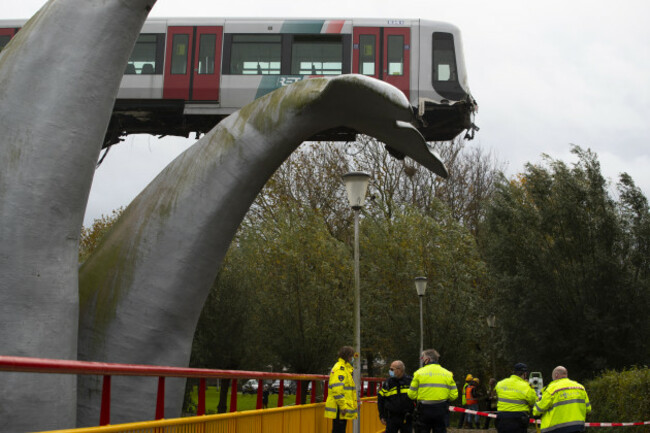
(620, 397)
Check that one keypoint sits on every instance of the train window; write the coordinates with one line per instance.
(180, 45)
(444, 57)
(256, 54)
(395, 54)
(145, 55)
(4, 40)
(207, 48)
(317, 55)
(445, 74)
(367, 54)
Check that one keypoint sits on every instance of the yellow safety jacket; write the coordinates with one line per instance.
(563, 406)
(463, 395)
(342, 394)
(514, 394)
(433, 384)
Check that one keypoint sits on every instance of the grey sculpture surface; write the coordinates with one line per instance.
(144, 287)
(58, 80)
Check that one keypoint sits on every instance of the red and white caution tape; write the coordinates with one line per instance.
(472, 412)
(615, 424)
(533, 421)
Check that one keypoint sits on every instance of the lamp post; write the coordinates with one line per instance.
(421, 287)
(356, 184)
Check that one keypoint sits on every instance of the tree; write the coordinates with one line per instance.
(472, 176)
(224, 336)
(303, 289)
(635, 215)
(566, 265)
(471, 181)
(310, 177)
(394, 252)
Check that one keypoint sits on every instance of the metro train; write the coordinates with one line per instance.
(186, 74)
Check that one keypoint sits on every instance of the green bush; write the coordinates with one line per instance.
(621, 397)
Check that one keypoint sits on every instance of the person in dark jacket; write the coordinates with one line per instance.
(265, 397)
(491, 401)
(395, 407)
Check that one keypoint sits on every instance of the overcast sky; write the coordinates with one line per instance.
(545, 74)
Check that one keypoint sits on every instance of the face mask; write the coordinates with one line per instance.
(391, 373)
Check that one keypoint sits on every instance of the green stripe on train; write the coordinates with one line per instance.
(311, 26)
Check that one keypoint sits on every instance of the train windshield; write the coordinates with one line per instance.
(445, 73)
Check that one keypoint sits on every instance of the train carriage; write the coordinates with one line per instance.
(185, 75)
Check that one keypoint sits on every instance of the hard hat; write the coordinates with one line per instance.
(476, 380)
(469, 377)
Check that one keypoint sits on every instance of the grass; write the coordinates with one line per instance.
(244, 401)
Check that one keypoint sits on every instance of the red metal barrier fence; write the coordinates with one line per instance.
(58, 366)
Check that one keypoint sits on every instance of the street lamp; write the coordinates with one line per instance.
(421, 287)
(356, 184)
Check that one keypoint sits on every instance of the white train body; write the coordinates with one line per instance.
(186, 74)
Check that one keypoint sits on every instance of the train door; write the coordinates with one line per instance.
(383, 53)
(193, 63)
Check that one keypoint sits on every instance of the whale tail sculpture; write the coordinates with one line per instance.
(142, 290)
(53, 118)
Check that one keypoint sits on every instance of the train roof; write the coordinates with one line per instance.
(371, 22)
(375, 21)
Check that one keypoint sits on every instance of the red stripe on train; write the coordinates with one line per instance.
(334, 26)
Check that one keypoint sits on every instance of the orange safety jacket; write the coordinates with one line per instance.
(469, 397)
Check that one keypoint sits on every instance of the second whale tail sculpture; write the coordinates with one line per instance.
(142, 291)
(58, 80)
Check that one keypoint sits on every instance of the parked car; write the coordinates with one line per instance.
(289, 387)
(250, 387)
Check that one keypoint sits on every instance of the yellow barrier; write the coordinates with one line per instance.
(306, 418)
